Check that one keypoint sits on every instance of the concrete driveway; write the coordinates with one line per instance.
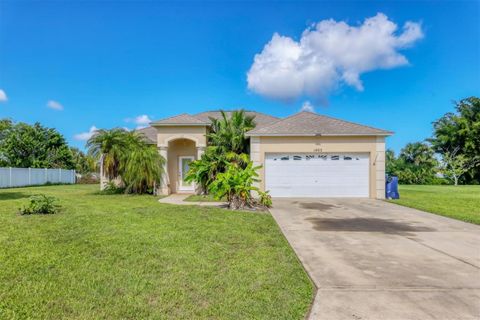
(374, 260)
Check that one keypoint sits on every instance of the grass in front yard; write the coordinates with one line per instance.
(458, 202)
(130, 257)
(202, 198)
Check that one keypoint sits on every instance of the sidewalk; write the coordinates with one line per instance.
(178, 199)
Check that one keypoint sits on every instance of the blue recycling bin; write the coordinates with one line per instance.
(391, 187)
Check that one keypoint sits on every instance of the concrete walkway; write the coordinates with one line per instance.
(178, 199)
(370, 259)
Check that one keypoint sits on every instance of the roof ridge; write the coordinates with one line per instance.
(315, 119)
(176, 116)
(279, 120)
(337, 119)
(241, 109)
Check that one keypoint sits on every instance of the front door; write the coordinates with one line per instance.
(183, 167)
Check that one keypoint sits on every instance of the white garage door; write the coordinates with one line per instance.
(317, 175)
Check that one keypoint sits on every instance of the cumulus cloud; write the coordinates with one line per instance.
(142, 121)
(55, 105)
(328, 55)
(3, 96)
(307, 106)
(84, 136)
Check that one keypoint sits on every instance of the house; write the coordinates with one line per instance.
(304, 155)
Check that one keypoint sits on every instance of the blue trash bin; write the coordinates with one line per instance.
(391, 187)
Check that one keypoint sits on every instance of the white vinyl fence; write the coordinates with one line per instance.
(20, 177)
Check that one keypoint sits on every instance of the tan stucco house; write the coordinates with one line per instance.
(304, 155)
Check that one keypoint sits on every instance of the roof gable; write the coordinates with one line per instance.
(310, 124)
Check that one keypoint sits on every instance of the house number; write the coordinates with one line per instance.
(317, 150)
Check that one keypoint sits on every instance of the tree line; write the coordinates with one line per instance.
(451, 155)
(35, 146)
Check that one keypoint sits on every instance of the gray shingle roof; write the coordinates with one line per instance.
(150, 133)
(182, 119)
(310, 124)
(261, 119)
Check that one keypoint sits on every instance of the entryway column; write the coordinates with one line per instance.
(255, 158)
(200, 152)
(164, 182)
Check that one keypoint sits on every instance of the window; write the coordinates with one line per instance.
(335, 158)
(297, 157)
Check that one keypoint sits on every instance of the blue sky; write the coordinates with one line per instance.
(81, 64)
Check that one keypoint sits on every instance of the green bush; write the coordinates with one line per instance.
(112, 188)
(40, 204)
(236, 185)
(265, 199)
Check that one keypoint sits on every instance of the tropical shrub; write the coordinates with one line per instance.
(40, 204)
(111, 187)
(265, 199)
(236, 185)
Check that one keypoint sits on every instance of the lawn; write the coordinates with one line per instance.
(458, 202)
(130, 257)
(201, 198)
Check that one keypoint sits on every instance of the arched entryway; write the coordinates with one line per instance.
(179, 152)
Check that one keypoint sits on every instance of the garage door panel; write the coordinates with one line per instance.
(317, 175)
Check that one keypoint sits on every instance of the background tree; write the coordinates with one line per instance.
(35, 146)
(416, 164)
(460, 130)
(84, 163)
(455, 165)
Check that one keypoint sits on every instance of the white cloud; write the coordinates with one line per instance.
(84, 136)
(329, 54)
(3, 96)
(142, 121)
(307, 106)
(55, 105)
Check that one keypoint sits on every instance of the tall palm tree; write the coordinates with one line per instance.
(227, 144)
(109, 147)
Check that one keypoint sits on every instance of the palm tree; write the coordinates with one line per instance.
(228, 133)
(109, 147)
(227, 144)
(142, 169)
(127, 155)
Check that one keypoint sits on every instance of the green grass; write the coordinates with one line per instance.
(130, 257)
(201, 198)
(458, 202)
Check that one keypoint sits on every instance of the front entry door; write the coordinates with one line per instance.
(183, 167)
